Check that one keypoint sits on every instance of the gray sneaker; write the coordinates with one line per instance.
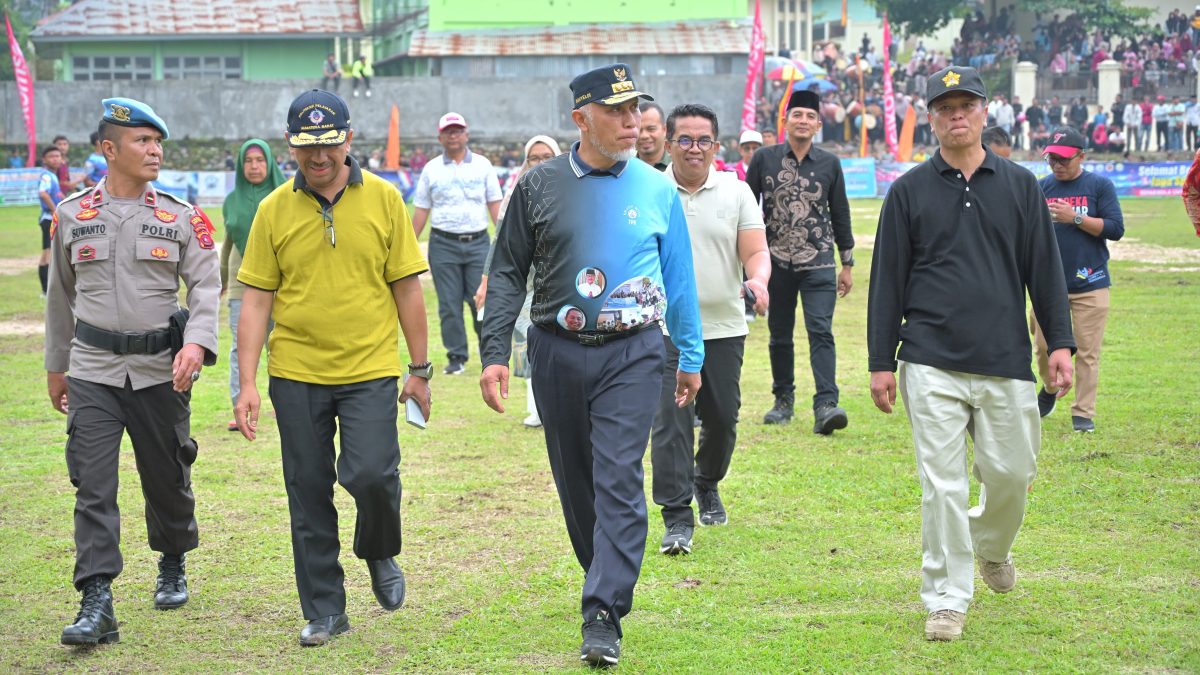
(1083, 424)
(712, 510)
(1001, 577)
(454, 368)
(678, 539)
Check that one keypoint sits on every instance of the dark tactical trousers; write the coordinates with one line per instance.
(817, 291)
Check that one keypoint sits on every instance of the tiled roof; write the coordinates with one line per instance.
(684, 37)
(101, 19)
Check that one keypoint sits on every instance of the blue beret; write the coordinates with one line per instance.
(127, 112)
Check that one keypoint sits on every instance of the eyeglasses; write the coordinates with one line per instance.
(704, 143)
(1061, 161)
(330, 234)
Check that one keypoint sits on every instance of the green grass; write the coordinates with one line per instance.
(818, 569)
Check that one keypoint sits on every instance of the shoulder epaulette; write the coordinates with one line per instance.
(75, 195)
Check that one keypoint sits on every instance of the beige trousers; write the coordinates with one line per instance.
(1001, 417)
(1089, 314)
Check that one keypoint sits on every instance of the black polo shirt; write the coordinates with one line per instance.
(804, 205)
(952, 263)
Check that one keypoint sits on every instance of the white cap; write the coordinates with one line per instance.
(451, 119)
(750, 136)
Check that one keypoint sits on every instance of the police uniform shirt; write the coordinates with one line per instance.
(116, 264)
(804, 205)
(625, 224)
(953, 260)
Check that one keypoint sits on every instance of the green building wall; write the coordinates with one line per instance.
(452, 15)
(261, 59)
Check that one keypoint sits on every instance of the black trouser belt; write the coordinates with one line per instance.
(595, 339)
(469, 236)
(152, 342)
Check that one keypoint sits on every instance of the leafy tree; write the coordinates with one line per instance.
(921, 17)
(1110, 17)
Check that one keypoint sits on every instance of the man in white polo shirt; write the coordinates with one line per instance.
(727, 235)
(456, 186)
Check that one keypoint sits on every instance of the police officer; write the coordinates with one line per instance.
(118, 252)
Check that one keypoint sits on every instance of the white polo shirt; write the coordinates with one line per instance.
(715, 214)
(457, 193)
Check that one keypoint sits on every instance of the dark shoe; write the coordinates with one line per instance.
(320, 631)
(388, 583)
(171, 589)
(601, 642)
(712, 511)
(454, 368)
(782, 412)
(828, 418)
(1082, 424)
(1046, 402)
(678, 539)
(232, 426)
(96, 622)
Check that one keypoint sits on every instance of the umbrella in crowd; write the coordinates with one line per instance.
(815, 84)
(795, 71)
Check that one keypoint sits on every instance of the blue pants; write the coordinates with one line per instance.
(597, 405)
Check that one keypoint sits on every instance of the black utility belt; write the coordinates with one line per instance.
(469, 236)
(152, 342)
(596, 339)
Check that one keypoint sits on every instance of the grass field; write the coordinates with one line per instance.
(818, 569)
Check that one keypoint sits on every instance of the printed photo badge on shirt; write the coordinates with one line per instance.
(590, 282)
(203, 228)
(571, 318)
(634, 303)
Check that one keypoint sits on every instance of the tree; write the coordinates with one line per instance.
(1110, 17)
(921, 17)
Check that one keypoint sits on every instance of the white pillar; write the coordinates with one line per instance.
(1109, 83)
(1025, 86)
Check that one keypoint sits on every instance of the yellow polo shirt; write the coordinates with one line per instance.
(335, 316)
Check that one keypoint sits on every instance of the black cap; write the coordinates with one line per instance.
(1065, 142)
(608, 85)
(804, 98)
(951, 79)
(317, 117)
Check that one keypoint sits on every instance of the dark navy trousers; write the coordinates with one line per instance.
(597, 405)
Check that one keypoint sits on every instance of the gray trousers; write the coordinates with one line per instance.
(368, 467)
(675, 469)
(158, 422)
(457, 269)
(597, 405)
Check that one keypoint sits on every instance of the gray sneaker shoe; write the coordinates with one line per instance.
(1001, 577)
(1083, 424)
(454, 368)
(678, 539)
(712, 510)
(944, 625)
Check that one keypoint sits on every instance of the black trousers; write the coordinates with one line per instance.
(817, 290)
(1161, 134)
(367, 467)
(158, 422)
(597, 405)
(675, 469)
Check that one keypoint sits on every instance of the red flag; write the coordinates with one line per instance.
(889, 99)
(754, 68)
(24, 90)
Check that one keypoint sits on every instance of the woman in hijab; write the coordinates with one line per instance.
(256, 176)
(537, 150)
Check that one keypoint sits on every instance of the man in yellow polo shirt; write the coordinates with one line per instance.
(333, 258)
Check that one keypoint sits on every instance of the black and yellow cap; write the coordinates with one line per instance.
(607, 85)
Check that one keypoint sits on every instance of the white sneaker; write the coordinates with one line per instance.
(368, 93)
(533, 421)
(354, 93)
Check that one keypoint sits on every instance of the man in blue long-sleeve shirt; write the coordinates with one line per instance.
(1086, 215)
(586, 219)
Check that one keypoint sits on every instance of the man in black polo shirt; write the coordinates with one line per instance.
(961, 238)
(804, 205)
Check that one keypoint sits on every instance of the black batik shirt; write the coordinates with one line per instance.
(804, 205)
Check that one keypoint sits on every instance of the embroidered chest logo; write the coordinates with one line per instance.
(631, 213)
(165, 216)
(86, 253)
(159, 252)
(87, 214)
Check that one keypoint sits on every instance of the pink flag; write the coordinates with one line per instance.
(889, 99)
(754, 66)
(24, 90)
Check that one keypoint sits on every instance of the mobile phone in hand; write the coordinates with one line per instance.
(412, 413)
(750, 297)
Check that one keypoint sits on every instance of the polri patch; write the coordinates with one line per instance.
(165, 216)
(159, 252)
(203, 228)
(86, 253)
(87, 214)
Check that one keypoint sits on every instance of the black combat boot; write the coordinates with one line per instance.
(782, 412)
(96, 622)
(171, 589)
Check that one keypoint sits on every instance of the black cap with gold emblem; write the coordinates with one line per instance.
(951, 79)
(608, 85)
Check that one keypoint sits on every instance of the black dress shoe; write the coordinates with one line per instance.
(96, 622)
(319, 631)
(388, 583)
(170, 591)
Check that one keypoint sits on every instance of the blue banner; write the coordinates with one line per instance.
(860, 177)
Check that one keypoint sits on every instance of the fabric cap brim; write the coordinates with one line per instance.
(305, 139)
(617, 99)
(161, 127)
(1061, 150)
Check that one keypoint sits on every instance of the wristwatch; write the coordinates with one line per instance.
(848, 258)
(424, 370)
(1078, 220)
